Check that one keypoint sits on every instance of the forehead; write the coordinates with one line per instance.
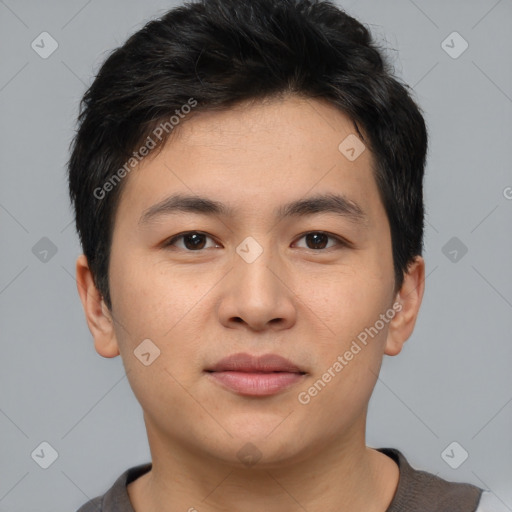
(257, 154)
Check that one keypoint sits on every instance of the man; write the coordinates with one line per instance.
(247, 179)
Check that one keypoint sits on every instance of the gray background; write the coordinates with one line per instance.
(452, 382)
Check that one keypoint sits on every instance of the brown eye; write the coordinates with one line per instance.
(318, 240)
(192, 241)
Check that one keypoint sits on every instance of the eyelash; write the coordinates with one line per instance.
(340, 241)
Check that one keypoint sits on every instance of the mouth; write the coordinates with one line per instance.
(255, 375)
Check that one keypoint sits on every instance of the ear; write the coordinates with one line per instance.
(99, 318)
(407, 305)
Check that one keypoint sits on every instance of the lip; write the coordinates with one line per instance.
(255, 375)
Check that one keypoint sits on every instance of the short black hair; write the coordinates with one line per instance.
(213, 54)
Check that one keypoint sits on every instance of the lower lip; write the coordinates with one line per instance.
(256, 384)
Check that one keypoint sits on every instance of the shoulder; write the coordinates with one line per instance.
(93, 505)
(116, 499)
(420, 490)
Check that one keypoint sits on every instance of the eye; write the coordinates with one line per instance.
(192, 241)
(318, 240)
(195, 241)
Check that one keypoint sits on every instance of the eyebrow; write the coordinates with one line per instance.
(322, 203)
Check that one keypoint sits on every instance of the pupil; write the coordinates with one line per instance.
(196, 241)
(314, 238)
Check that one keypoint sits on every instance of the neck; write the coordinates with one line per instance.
(345, 476)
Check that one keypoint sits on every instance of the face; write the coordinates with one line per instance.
(288, 255)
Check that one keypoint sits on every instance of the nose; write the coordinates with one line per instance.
(258, 295)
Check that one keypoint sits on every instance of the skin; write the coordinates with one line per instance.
(304, 303)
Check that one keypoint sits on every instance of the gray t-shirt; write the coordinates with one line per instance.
(417, 491)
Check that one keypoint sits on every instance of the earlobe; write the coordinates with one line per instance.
(407, 304)
(99, 318)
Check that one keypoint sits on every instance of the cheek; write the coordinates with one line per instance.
(152, 304)
(152, 315)
(150, 300)
(342, 302)
(350, 341)
(348, 368)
